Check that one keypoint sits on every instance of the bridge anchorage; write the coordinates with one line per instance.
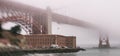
(104, 41)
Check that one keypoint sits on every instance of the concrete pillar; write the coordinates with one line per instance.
(49, 20)
(104, 40)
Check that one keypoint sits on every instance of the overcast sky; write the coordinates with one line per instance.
(102, 13)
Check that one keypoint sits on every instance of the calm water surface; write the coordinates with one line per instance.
(88, 52)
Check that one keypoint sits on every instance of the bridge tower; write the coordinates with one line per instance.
(49, 20)
(104, 41)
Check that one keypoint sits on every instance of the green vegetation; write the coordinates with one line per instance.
(15, 30)
(1, 30)
(11, 34)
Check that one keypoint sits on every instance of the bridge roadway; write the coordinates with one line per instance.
(38, 13)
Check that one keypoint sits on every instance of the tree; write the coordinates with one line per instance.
(16, 30)
(1, 27)
(11, 34)
(1, 30)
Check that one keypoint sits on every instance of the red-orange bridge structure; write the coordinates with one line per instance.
(35, 20)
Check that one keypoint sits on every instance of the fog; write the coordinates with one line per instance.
(102, 13)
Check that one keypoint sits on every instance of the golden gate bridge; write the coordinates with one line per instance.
(37, 20)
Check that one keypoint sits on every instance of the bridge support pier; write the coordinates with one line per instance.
(49, 20)
(104, 41)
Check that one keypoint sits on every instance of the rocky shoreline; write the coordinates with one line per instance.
(52, 50)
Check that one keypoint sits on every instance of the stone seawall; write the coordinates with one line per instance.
(23, 52)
